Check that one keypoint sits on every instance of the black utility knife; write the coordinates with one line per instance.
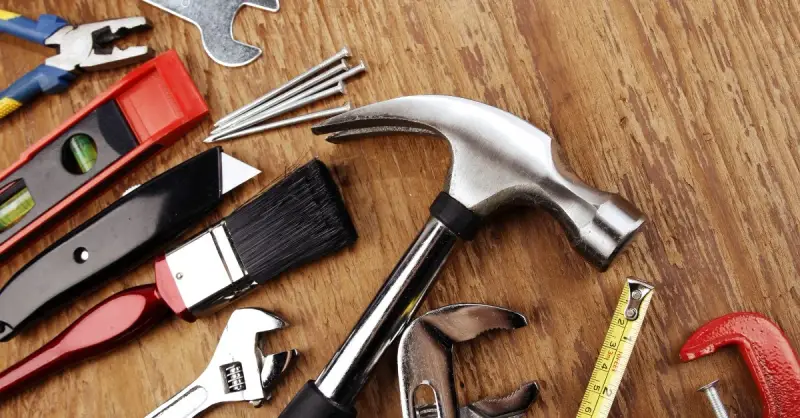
(132, 230)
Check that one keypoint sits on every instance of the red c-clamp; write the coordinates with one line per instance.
(771, 360)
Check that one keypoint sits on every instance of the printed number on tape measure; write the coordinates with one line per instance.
(616, 350)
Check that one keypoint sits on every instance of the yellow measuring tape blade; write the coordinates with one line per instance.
(616, 351)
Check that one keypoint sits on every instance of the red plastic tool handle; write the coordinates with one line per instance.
(768, 354)
(120, 318)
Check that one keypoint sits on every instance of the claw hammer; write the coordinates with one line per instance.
(498, 159)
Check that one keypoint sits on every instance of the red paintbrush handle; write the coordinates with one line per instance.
(113, 322)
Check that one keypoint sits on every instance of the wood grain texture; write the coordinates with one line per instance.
(689, 109)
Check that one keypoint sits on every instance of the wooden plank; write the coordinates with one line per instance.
(689, 109)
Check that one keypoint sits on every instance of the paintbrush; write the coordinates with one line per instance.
(298, 220)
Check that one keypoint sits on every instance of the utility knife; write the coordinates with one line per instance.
(132, 230)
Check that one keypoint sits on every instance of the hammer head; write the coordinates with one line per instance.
(500, 159)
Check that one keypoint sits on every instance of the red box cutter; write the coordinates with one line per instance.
(146, 111)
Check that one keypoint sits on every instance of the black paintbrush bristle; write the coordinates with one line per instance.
(299, 219)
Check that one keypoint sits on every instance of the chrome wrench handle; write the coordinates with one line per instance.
(188, 403)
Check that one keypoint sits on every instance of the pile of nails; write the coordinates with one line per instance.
(318, 83)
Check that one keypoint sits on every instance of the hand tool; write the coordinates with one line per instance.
(87, 47)
(766, 350)
(280, 110)
(238, 371)
(285, 122)
(147, 111)
(710, 390)
(620, 339)
(268, 111)
(130, 231)
(293, 94)
(344, 53)
(425, 358)
(498, 159)
(215, 20)
(298, 220)
(509, 406)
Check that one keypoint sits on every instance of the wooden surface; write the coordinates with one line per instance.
(688, 109)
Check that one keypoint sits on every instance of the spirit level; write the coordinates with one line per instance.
(145, 112)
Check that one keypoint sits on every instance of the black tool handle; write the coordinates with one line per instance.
(121, 237)
(311, 403)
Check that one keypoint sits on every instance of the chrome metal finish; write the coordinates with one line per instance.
(238, 122)
(425, 357)
(637, 291)
(286, 122)
(238, 371)
(215, 20)
(255, 117)
(509, 406)
(284, 108)
(710, 390)
(206, 270)
(388, 314)
(78, 48)
(342, 54)
(498, 160)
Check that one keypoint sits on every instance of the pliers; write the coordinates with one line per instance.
(85, 47)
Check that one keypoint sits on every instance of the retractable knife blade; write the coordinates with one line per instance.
(130, 231)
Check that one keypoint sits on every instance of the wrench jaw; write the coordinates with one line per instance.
(273, 368)
(510, 406)
(238, 371)
(238, 356)
(425, 355)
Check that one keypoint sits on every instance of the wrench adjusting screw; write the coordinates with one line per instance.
(234, 377)
(713, 397)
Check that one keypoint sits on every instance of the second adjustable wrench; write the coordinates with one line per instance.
(425, 359)
(238, 371)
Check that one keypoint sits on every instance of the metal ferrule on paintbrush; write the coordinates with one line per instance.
(296, 221)
(206, 271)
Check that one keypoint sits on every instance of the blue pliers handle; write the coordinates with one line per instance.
(44, 78)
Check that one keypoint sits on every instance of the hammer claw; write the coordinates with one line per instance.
(358, 133)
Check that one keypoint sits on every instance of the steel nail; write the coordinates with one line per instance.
(711, 393)
(289, 95)
(280, 110)
(343, 53)
(286, 122)
(358, 69)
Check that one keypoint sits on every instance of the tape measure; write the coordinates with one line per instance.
(616, 351)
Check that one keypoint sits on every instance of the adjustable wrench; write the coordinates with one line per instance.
(238, 371)
(425, 358)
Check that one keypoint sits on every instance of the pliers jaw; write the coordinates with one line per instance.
(89, 47)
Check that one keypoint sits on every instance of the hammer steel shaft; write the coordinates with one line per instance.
(389, 314)
(498, 160)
